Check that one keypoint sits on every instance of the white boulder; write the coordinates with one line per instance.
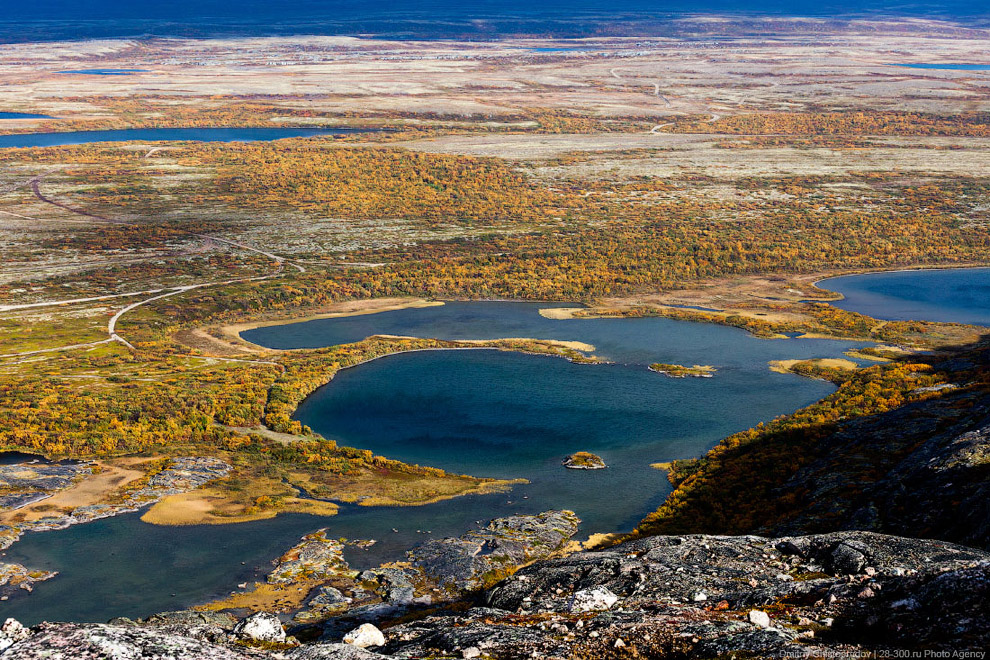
(592, 600)
(364, 636)
(758, 618)
(11, 632)
(261, 627)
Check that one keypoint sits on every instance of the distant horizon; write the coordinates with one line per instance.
(49, 20)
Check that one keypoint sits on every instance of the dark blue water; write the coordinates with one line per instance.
(21, 115)
(957, 295)
(506, 415)
(48, 20)
(158, 134)
(481, 412)
(105, 72)
(948, 66)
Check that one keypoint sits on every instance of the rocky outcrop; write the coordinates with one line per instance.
(668, 596)
(467, 562)
(14, 577)
(316, 557)
(705, 596)
(433, 572)
(66, 641)
(35, 476)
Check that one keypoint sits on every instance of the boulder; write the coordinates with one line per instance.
(364, 636)
(12, 631)
(261, 627)
(593, 600)
(759, 618)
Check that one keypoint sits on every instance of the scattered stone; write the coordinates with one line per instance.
(758, 618)
(364, 636)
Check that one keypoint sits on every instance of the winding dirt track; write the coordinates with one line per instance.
(35, 184)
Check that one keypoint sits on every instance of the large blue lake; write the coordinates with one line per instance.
(159, 134)
(957, 295)
(482, 412)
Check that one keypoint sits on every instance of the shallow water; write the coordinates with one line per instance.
(481, 412)
(158, 134)
(960, 295)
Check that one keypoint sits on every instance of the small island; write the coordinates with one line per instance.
(680, 371)
(584, 460)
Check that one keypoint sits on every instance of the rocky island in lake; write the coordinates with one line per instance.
(584, 460)
(680, 371)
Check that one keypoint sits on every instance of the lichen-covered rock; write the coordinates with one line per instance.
(467, 562)
(261, 627)
(315, 557)
(871, 593)
(365, 635)
(332, 651)
(863, 586)
(66, 641)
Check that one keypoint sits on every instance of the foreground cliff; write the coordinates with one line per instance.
(665, 596)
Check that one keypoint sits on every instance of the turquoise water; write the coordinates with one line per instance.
(481, 412)
(156, 134)
(948, 66)
(957, 295)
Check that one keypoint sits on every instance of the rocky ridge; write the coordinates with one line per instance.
(667, 596)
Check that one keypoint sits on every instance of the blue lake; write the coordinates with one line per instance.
(161, 134)
(949, 66)
(21, 115)
(104, 72)
(482, 412)
(957, 295)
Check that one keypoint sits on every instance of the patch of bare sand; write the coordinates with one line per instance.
(201, 340)
(559, 313)
(208, 506)
(574, 345)
(786, 366)
(108, 477)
